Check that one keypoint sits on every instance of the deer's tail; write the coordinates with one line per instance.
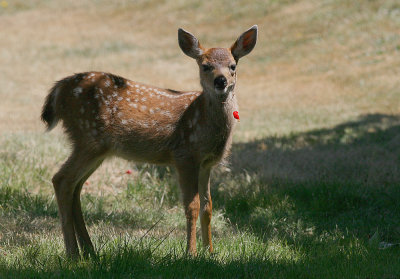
(49, 113)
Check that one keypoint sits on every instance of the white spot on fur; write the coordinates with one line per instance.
(174, 95)
(133, 105)
(120, 114)
(114, 94)
(144, 99)
(143, 108)
(107, 83)
(167, 113)
(151, 111)
(123, 122)
(128, 99)
(120, 98)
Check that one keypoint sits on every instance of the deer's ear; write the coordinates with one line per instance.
(189, 44)
(245, 43)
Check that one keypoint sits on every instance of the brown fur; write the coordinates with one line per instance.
(107, 115)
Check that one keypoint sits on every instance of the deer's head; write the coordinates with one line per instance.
(218, 65)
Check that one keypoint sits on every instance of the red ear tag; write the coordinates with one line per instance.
(236, 115)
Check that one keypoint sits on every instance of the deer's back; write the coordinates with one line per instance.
(129, 119)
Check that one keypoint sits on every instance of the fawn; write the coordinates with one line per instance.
(106, 115)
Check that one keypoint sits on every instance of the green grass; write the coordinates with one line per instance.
(265, 224)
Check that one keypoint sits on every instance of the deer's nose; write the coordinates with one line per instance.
(220, 82)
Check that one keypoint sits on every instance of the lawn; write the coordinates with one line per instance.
(313, 183)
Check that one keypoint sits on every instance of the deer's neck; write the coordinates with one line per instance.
(221, 111)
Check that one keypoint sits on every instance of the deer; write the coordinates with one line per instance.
(105, 115)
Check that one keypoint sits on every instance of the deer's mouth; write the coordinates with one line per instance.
(225, 90)
(223, 93)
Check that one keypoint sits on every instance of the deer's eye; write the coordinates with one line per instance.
(206, 67)
(232, 67)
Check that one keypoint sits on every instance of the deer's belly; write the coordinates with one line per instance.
(144, 151)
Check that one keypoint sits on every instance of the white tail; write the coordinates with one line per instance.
(104, 114)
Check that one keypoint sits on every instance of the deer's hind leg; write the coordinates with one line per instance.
(66, 182)
(81, 232)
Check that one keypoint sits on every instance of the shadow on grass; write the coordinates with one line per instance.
(142, 263)
(15, 201)
(127, 261)
(365, 151)
(342, 180)
(24, 206)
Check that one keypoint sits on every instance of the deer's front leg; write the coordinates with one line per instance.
(188, 181)
(205, 207)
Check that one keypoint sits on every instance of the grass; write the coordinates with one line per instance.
(264, 225)
(313, 183)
